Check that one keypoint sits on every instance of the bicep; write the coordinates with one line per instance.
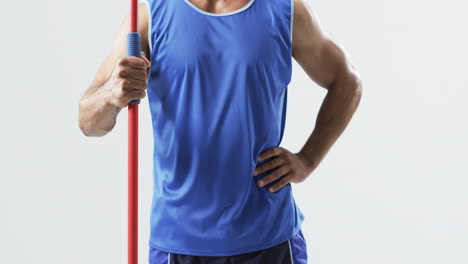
(314, 50)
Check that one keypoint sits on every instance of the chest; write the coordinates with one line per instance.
(191, 40)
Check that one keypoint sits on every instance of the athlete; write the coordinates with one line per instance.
(216, 74)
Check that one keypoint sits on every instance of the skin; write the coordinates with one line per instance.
(327, 65)
(121, 79)
(118, 80)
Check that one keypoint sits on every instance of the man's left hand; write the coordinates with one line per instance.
(292, 167)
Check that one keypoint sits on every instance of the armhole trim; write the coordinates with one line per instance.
(292, 20)
(150, 43)
(150, 25)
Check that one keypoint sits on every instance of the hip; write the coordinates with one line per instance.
(291, 251)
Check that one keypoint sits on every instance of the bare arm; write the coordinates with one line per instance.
(327, 65)
(118, 80)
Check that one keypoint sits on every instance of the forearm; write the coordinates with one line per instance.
(336, 111)
(97, 116)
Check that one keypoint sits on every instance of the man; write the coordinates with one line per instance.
(216, 79)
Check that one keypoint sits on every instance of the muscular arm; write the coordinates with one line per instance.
(326, 64)
(97, 113)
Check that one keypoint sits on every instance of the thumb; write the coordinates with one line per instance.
(143, 56)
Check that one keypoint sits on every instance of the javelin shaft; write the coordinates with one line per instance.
(134, 16)
(133, 49)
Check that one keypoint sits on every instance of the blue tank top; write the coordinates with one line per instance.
(217, 93)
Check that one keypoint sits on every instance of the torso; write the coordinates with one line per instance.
(217, 96)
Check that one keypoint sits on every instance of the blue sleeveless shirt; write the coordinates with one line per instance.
(217, 93)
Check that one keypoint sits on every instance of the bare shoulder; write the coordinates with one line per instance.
(300, 9)
(306, 27)
(314, 49)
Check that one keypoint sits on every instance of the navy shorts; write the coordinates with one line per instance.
(292, 251)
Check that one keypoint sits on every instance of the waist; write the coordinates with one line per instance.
(203, 219)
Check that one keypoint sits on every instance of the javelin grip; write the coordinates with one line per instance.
(134, 49)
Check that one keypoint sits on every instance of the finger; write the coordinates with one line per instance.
(133, 84)
(269, 165)
(145, 58)
(134, 95)
(134, 62)
(132, 73)
(275, 151)
(273, 176)
(280, 184)
(138, 94)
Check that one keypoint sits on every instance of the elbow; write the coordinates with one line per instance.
(82, 124)
(353, 90)
(85, 130)
(353, 84)
(86, 127)
(348, 84)
(88, 132)
(356, 86)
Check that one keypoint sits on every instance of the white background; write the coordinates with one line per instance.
(392, 189)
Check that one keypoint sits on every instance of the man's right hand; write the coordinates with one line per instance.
(119, 80)
(128, 80)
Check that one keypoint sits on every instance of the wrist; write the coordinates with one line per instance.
(309, 162)
(105, 97)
